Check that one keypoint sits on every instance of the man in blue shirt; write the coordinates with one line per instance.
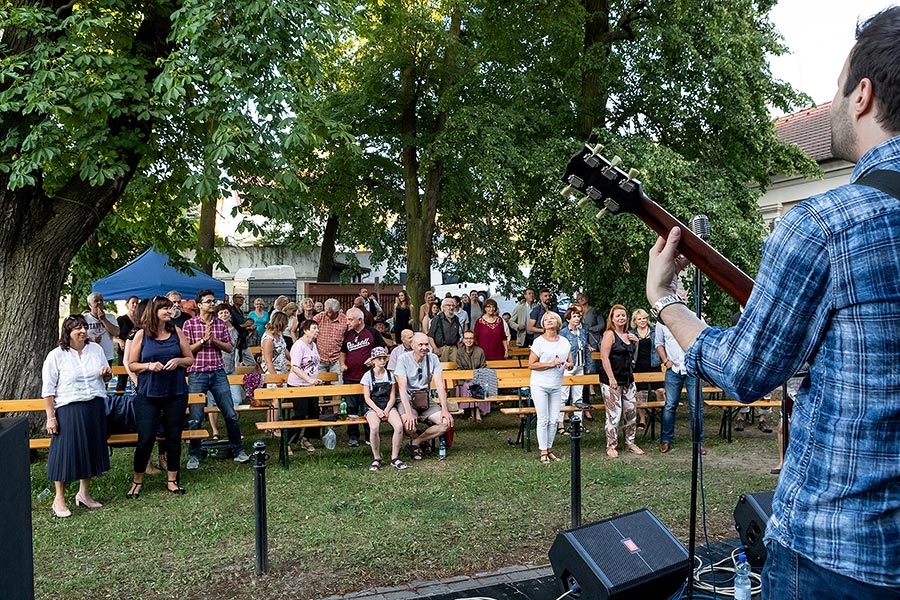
(827, 292)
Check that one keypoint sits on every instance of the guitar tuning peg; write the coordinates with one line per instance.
(585, 201)
(632, 174)
(596, 149)
(602, 214)
(615, 162)
(567, 191)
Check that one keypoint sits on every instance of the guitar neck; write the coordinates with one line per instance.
(719, 269)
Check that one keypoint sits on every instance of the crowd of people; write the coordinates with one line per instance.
(171, 347)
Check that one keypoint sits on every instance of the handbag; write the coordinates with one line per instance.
(420, 399)
(120, 417)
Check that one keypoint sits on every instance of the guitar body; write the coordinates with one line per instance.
(601, 181)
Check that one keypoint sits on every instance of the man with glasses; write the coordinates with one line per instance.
(415, 372)
(444, 332)
(208, 336)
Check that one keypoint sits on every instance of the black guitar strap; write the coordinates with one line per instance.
(886, 181)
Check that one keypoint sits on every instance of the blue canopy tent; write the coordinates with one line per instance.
(151, 275)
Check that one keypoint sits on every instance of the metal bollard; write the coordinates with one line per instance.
(259, 500)
(575, 429)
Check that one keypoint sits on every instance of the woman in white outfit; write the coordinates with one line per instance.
(550, 356)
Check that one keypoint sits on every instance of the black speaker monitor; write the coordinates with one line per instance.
(750, 517)
(16, 558)
(617, 557)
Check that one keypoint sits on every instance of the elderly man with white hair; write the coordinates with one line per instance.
(333, 325)
(102, 326)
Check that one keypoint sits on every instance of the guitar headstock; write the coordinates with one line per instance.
(602, 182)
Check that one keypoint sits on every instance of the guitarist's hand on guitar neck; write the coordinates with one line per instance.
(663, 268)
(666, 262)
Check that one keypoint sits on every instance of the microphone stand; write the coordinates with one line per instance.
(702, 231)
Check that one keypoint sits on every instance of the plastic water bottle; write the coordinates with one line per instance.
(742, 578)
(343, 413)
(442, 450)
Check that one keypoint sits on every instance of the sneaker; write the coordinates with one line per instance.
(193, 463)
(242, 457)
(353, 443)
(368, 443)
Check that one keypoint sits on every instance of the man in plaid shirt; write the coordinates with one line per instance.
(208, 337)
(332, 326)
(827, 293)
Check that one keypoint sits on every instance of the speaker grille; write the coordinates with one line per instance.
(630, 547)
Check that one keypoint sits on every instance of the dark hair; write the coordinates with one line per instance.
(222, 306)
(202, 293)
(876, 56)
(150, 320)
(135, 297)
(543, 290)
(306, 324)
(141, 307)
(490, 302)
(571, 311)
(403, 303)
(69, 324)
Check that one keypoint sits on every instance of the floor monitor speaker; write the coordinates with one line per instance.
(619, 557)
(17, 581)
(750, 517)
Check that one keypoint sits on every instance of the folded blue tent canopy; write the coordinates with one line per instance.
(151, 275)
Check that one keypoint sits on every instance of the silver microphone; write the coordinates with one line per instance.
(700, 227)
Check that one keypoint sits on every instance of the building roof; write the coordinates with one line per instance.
(808, 129)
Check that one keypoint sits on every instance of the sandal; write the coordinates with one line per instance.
(398, 464)
(304, 443)
(215, 437)
(416, 451)
(178, 489)
(135, 490)
(552, 456)
(376, 464)
(562, 431)
(545, 458)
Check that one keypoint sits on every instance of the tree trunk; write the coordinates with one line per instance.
(421, 210)
(38, 238)
(206, 234)
(593, 93)
(329, 243)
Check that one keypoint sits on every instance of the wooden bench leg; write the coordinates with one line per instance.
(282, 450)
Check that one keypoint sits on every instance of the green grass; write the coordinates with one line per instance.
(334, 527)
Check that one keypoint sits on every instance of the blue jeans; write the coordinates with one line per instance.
(674, 383)
(790, 576)
(215, 382)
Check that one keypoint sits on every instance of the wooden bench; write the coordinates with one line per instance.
(279, 396)
(118, 439)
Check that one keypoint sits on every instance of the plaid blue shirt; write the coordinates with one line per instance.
(828, 292)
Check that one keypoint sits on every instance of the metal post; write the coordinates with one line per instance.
(575, 429)
(259, 496)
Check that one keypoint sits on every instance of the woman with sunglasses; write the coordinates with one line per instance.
(74, 380)
(159, 355)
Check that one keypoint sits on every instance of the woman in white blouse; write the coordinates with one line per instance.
(74, 388)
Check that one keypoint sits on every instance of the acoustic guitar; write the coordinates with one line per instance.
(603, 183)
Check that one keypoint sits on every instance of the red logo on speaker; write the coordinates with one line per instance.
(632, 547)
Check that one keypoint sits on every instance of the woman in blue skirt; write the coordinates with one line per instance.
(74, 388)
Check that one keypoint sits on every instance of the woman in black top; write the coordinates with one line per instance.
(159, 355)
(617, 356)
(401, 314)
